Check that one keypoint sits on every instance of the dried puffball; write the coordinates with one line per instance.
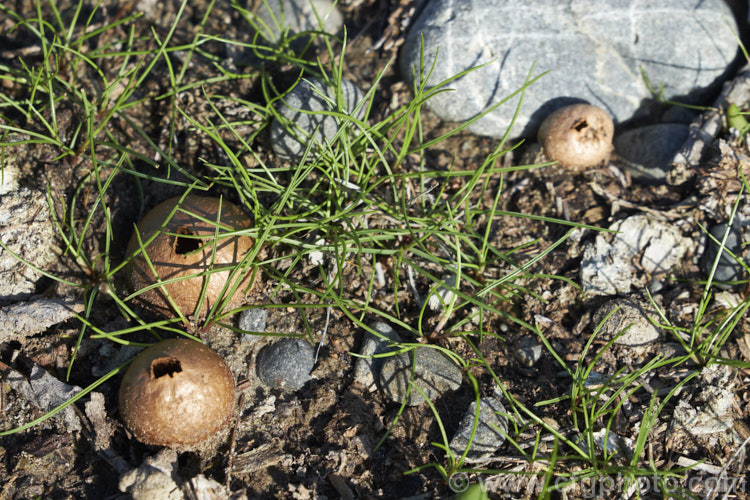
(185, 252)
(177, 393)
(579, 135)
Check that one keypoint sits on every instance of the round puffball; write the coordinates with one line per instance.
(579, 135)
(177, 393)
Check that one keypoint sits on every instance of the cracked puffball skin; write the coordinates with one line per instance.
(579, 135)
(177, 393)
(191, 252)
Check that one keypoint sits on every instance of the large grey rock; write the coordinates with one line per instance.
(490, 432)
(433, 373)
(680, 114)
(302, 121)
(655, 247)
(649, 150)
(275, 16)
(632, 317)
(594, 50)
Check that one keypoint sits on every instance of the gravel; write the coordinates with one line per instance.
(528, 350)
(607, 441)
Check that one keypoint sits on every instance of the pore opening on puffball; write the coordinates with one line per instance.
(182, 245)
(165, 366)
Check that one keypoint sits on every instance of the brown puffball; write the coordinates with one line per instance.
(177, 393)
(184, 248)
(579, 135)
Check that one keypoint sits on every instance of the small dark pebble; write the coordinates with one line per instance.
(728, 268)
(285, 364)
(410, 485)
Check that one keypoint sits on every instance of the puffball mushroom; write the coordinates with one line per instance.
(177, 393)
(579, 135)
(194, 250)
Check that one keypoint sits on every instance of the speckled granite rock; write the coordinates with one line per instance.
(593, 49)
(252, 320)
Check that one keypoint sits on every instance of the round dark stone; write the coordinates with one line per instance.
(285, 364)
